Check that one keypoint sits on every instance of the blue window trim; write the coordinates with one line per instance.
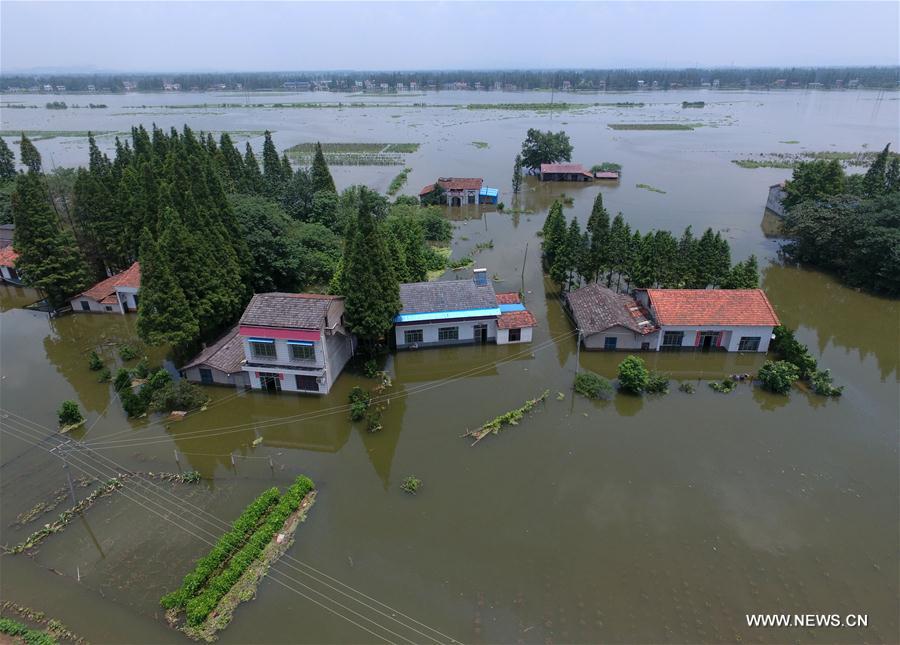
(305, 343)
(261, 340)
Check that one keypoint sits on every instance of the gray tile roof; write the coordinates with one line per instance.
(597, 308)
(448, 295)
(292, 310)
(225, 354)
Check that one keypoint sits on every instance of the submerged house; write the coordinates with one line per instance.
(461, 191)
(116, 294)
(8, 272)
(294, 341)
(455, 312)
(515, 323)
(221, 363)
(734, 320)
(565, 172)
(775, 200)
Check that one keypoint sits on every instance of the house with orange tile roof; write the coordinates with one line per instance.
(116, 294)
(515, 323)
(460, 191)
(8, 272)
(734, 320)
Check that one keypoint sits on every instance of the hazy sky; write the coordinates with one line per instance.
(182, 36)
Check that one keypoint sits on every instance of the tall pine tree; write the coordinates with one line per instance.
(7, 162)
(321, 176)
(29, 155)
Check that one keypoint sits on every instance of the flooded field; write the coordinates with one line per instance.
(663, 518)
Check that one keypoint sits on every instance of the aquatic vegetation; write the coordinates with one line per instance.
(536, 107)
(398, 181)
(778, 376)
(657, 383)
(510, 418)
(481, 246)
(460, 263)
(593, 386)
(790, 349)
(724, 387)
(171, 395)
(52, 626)
(606, 166)
(821, 383)
(353, 154)
(654, 126)
(127, 352)
(57, 105)
(122, 380)
(790, 141)
(693, 104)
(411, 484)
(95, 363)
(687, 388)
(359, 403)
(790, 160)
(481, 145)
(650, 188)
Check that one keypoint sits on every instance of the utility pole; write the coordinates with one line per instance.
(524, 259)
(578, 352)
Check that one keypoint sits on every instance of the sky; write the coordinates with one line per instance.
(298, 36)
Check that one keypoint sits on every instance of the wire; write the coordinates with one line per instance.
(277, 421)
(225, 525)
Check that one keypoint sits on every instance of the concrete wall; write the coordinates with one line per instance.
(625, 339)
(773, 203)
(338, 350)
(95, 307)
(503, 336)
(430, 332)
(288, 382)
(239, 379)
(731, 336)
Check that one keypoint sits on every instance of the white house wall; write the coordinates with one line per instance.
(95, 307)
(503, 336)
(625, 339)
(430, 332)
(730, 340)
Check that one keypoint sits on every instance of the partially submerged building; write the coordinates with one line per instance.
(515, 323)
(461, 191)
(116, 294)
(221, 363)
(455, 312)
(7, 233)
(775, 201)
(8, 272)
(565, 172)
(294, 341)
(734, 320)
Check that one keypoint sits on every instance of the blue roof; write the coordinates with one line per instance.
(447, 315)
(516, 306)
(489, 192)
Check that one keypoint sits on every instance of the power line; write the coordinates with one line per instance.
(220, 522)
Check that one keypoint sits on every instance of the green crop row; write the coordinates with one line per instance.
(200, 606)
(226, 545)
(30, 636)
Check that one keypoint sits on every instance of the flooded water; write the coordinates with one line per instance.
(662, 519)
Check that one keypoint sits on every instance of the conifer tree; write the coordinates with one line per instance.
(371, 287)
(164, 315)
(517, 174)
(619, 239)
(874, 183)
(892, 177)
(7, 161)
(29, 155)
(598, 231)
(554, 234)
(687, 260)
(565, 258)
(253, 182)
(273, 170)
(49, 259)
(321, 176)
(232, 161)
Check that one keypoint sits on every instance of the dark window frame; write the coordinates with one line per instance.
(752, 341)
(676, 334)
(610, 343)
(515, 335)
(255, 347)
(306, 349)
(413, 336)
(448, 333)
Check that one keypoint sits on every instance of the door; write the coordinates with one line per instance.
(269, 382)
(480, 333)
(206, 376)
(456, 201)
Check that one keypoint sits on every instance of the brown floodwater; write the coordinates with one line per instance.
(655, 519)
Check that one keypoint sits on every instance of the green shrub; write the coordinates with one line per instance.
(179, 395)
(633, 375)
(359, 403)
(142, 369)
(122, 380)
(158, 380)
(793, 351)
(127, 352)
(242, 527)
(592, 385)
(657, 383)
(134, 404)
(69, 413)
(821, 383)
(104, 376)
(724, 387)
(411, 484)
(200, 606)
(29, 636)
(778, 376)
(95, 362)
(687, 388)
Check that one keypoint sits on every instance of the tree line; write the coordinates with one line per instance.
(587, 79)
(847, 225)
(209, 225)
(610, 252)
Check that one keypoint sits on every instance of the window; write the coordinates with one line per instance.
(673, 339)
(515, 335)
(749, 344)
(263, 348)
(135, 296)
(302, 352)
(306, 383)
(412, 336)
(448, 333)
(108, 307)
(85, 305)
(609, 342)
(206, 376)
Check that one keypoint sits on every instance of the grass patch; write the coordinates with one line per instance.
(537, 107)
(398, 181)
(790, 141)
(692, 104)
(353, 154)
(789, 160)
(460, 263)
(481, 145)
(654, 126)
(650, 188)
(444, 252)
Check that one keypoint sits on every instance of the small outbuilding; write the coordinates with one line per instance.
(565, 172)
(515, 323)
(221, 363)
(775, 200)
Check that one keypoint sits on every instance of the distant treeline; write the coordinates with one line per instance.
(585, 79)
